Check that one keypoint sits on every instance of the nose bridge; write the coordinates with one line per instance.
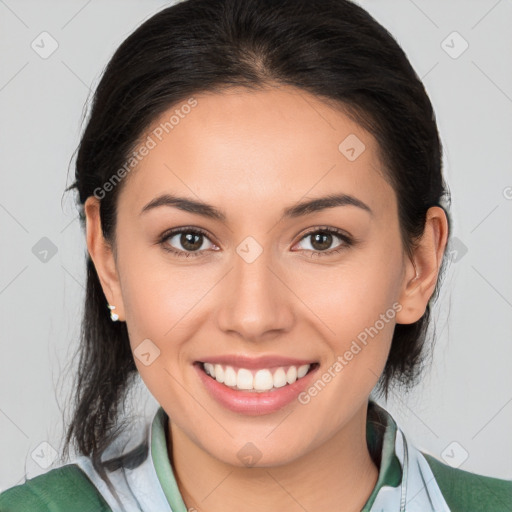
(255, 301)
(252, 272)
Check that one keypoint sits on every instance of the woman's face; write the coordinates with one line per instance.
(265, 276)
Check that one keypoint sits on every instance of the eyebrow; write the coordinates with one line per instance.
(297, 210)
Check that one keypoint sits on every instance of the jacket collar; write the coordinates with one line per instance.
(381, 434)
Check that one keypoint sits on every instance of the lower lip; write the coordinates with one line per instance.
(254, 403)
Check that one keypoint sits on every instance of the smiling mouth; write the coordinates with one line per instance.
(256, 380)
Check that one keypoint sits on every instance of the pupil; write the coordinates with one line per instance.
(326, 237)
(185, 241)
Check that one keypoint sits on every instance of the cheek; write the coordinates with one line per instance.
(355, 305)
(352, 295)
(163, 307)
(156, 295)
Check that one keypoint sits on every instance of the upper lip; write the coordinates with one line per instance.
(267, 361)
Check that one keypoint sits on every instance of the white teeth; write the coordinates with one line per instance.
(219, 373)
(261, 380)
(230, 377)
(291, 375)
(279, 378)
(244, 379)
(302, 370)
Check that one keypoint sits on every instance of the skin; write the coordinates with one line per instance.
(251, 154)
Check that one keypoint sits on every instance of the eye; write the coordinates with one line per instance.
(190, 239)
(323, 237)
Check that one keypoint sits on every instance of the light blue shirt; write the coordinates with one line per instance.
(145, 480)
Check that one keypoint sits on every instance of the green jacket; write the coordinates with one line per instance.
(145, 479)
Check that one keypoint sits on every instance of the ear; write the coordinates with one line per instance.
(103, 257)
(420, 276)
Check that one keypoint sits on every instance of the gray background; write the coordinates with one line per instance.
(461, 412)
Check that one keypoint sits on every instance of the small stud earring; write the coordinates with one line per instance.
(114, 316)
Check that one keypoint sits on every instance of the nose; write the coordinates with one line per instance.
(256, 302)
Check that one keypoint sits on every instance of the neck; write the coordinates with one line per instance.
(342, 465)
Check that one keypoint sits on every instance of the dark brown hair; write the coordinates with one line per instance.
(330, 48)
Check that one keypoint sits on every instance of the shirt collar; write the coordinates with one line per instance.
(381, 431)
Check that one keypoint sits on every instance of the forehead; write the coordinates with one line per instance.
(242, 147)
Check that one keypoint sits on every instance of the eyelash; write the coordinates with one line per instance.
(347, 241)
